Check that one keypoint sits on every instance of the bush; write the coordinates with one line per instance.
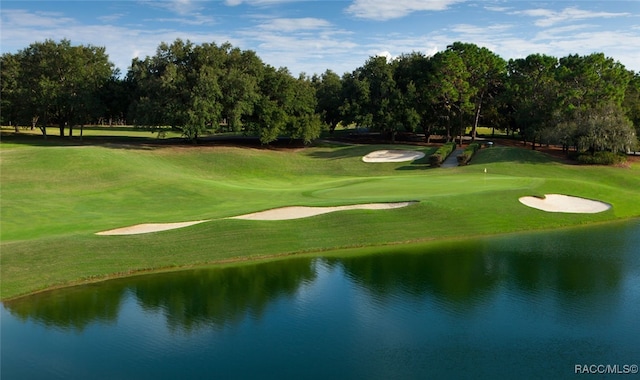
(441, 154)
(601, 158)
(468, 152)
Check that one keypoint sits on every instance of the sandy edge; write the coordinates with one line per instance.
(565, 203)
(149, 227)
(283, 213)
(297, 212)
(393, 156)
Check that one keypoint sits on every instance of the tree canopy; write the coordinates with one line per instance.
(590, 103)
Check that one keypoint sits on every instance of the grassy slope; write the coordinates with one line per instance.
(55, 198)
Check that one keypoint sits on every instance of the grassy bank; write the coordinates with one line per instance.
(54, 199)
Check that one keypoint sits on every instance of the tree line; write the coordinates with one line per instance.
(590, 103)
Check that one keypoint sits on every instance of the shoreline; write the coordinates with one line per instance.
(277, 256)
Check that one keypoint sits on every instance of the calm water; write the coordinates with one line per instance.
(520, 306)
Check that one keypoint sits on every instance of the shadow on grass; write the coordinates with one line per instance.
(340, 152)
(511, 154)
(144, 143)
(115, 142)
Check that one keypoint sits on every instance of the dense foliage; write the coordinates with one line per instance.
(438, 157)
(468, 152)
(587, 103)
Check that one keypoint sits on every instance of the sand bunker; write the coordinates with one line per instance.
(297, 212)
(284, 213)
(149, 227)
(392, 156)
(565, 203)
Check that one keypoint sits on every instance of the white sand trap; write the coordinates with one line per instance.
(392, 156)
(149, 227)
(565, 203)
(297, 212)
(284, 213)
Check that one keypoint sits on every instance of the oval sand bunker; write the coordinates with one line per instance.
(392, 156)
(565, 203)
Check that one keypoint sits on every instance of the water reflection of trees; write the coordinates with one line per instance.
(73, 308)
(220, 297)
(457, 272)
(187, 299)
(576, 268)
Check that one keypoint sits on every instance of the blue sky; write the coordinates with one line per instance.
(312, 36)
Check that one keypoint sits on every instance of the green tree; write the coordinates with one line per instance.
(242, 72)
(355, 95)
(532, 90)
(590, 81)
(328, 87)
(449, 91)
(603, 128)
(286, 107)
(377, 98)
(179, 87)
(11, 98)
(57, 83)
(486, 73)
(413, 73)
(631, 102)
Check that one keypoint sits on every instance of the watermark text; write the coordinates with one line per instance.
(606, 369)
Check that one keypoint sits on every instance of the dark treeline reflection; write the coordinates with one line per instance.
(188, 299)
(573, 268)
(221, 296)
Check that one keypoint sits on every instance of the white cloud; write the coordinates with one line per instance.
(181, 7)
(111, 18)
(389, 9)
(548, 17)
(122, 43)
(233, 3)
(295, 24)
(471, 30)
(194, 19)
(23, 19)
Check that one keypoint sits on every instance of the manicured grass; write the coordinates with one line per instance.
(54, 199)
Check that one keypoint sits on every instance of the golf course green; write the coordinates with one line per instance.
(55, 198)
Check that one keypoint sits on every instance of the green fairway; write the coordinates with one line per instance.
(55, 198)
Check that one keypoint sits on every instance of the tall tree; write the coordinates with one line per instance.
(590, 81)
(328, 87)
(449, 91)
(631, 102)
(180, 87)
(532, 90)
(378, 103)
(241, 75)
(486, 72)
(59, 83)
(412, 73)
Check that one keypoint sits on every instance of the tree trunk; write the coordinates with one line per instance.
(44, 131)
(477, 119)
(61, 127)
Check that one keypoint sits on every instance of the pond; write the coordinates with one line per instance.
(530, 305)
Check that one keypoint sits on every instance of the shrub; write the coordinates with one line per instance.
(468, 152)
(601, 158)
(441, 154)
